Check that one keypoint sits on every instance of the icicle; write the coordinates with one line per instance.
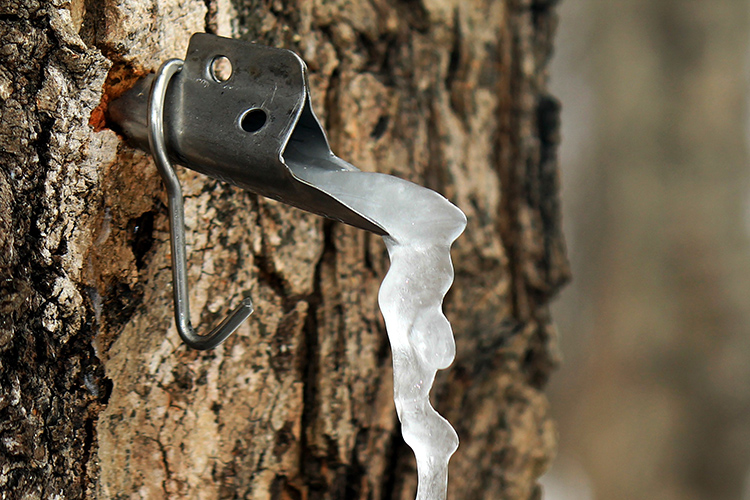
(421, 226)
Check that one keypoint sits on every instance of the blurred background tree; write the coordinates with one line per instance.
(653, 400)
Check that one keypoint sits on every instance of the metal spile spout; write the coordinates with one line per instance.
(251, 125)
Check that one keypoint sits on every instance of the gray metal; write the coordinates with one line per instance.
(255, 130)
(177, 224)
(203, 124)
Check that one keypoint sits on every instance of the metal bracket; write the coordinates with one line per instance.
(254, 129)
(211, 126)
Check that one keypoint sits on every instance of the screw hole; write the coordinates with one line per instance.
(253, 120)
(221, 68)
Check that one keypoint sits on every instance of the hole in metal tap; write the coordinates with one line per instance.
(253, 120)
(221, 68)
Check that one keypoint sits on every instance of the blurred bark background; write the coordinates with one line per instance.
(654, 396)
(98, 397)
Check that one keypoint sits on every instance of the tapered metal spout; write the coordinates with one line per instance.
(254, 129)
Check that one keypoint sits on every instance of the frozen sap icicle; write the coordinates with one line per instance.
(421, 226)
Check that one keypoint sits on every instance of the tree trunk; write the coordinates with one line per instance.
(98, 396)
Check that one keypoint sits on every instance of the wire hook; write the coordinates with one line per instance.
(177, 223)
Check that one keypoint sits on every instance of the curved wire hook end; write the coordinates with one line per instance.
(218, 334)
(158, 146)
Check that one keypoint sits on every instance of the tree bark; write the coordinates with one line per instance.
(99, 398)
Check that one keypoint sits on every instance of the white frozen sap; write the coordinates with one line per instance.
(421, 226)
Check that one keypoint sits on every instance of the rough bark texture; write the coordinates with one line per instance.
(98, 397)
